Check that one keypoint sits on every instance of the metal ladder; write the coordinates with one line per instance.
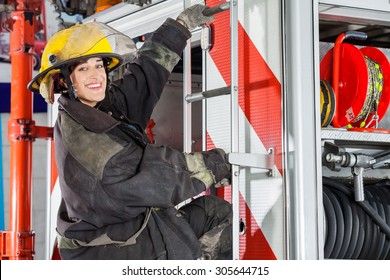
(236, 159)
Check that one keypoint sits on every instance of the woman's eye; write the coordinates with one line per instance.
(83, 69)
(99, 66)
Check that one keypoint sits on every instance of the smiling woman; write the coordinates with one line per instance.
(89, 79)
(70, 46)
(118, 190)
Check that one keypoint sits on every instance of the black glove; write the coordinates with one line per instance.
(193, 17)
(216, 161)
(209, 167)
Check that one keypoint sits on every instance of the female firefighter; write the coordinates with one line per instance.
(118, 191)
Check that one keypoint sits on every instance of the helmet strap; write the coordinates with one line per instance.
(71, 91)
(106, 63)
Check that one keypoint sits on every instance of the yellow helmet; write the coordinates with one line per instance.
(79, 42)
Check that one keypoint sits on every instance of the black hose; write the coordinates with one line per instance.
(361, 233)
(356, 239)
(339, 238)
(386, 198)
(368, 238)
(331, 229)
(348, 223)
(363, 204)
(356, 230)
(375, 248)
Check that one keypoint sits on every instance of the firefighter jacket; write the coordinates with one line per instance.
(118, 190)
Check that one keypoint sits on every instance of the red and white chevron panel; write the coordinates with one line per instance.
(260, 119)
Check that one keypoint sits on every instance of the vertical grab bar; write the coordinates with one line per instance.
(234, 125)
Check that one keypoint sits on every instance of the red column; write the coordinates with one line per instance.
(20, 244)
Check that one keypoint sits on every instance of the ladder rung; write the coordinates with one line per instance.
(207, 94)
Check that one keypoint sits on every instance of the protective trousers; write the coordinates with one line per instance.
(211, 219)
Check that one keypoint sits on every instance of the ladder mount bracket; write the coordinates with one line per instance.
(262, 161)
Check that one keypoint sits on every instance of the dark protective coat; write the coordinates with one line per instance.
(111, 177)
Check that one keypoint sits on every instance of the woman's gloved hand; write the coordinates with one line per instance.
(193, 17)
(210, 167)
(216, 161)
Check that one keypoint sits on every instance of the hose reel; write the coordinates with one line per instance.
(360, 80)
(356, 216)
(356, 229)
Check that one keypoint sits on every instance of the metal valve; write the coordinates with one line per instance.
(336, 157)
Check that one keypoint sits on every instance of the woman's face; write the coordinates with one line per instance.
(90, 80)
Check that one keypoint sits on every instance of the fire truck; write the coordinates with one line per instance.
(296, 91)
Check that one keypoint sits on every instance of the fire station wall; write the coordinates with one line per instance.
(39, 183)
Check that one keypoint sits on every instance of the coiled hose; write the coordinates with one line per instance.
(356, 230)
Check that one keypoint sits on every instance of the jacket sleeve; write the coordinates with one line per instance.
(161, 179)
(140, 88)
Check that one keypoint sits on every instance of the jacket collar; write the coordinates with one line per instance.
(89, 117)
